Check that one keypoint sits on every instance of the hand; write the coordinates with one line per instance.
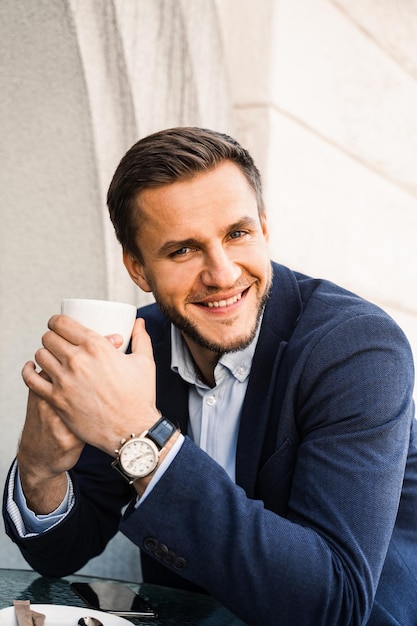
(101, 394)
(47, 449)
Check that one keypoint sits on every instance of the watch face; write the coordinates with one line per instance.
(139, 457)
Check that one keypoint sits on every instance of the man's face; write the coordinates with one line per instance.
(205, 257)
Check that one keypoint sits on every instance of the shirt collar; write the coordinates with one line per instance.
(237, 364)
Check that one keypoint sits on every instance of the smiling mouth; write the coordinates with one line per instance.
(216, 304)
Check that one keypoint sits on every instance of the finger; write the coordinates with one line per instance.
(44, 375)
(116, 340)
(65, 334)
(41, 373)
(47, 361)
(69, 329)
(35, 381)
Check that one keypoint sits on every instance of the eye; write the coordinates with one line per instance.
(238, 234)
(181, 252)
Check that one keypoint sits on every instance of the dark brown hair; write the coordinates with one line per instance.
(166, 157)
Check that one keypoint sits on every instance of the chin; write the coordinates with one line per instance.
(212, 343)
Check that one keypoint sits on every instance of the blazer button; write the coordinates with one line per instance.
(151, 544)
(179, 563)
(161, 551)
(169, 557)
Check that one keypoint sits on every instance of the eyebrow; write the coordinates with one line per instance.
(177, 244)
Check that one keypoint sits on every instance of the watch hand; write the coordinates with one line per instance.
(137, 459)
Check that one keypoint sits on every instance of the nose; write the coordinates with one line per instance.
(219, 270)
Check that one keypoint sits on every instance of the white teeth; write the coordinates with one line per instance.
(224, 302)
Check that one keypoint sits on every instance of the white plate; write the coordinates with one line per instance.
(57, 615)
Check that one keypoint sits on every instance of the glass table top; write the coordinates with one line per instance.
(173, 606)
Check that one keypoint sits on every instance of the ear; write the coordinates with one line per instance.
(265, 227)
(136, 271)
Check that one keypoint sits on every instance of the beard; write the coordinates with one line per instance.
(190, 329)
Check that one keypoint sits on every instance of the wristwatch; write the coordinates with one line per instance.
(138, 457)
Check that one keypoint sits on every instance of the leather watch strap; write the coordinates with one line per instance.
(161, 432)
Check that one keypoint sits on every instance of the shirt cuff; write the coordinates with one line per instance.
(26, 522)
(161, 469)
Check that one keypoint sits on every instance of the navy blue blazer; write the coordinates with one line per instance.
(314, 532)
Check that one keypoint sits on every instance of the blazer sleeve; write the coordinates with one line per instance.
(100, 494)
(320, 564)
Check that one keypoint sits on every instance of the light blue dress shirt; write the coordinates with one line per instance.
(214, 425)
(215, 412)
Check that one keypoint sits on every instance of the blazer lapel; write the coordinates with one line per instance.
(171, 389)
(172, 393)
(280, 317)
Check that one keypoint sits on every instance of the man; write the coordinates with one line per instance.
(281, 494)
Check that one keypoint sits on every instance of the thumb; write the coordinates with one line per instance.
(141, 342)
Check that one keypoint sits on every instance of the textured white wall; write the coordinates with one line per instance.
(51, 228)
(322, 92)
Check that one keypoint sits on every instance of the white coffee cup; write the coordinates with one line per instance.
(102, 316)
